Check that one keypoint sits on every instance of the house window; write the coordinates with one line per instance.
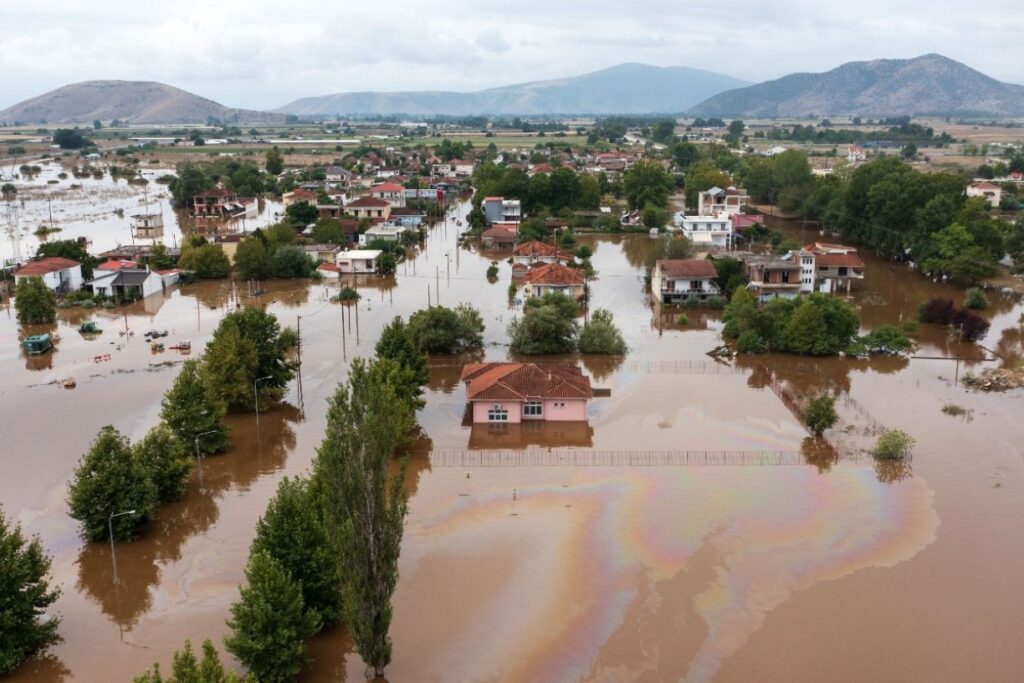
(695, 284)
(497, 414)
(533, 409)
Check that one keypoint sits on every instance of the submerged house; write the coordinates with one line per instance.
(510, 393)
(127, 283)
(59, 274)
(675, 281)
(554, 278)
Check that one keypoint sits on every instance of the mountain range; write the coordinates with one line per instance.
(622, 89)
(926, 85)
(135, 101)
(930, 84)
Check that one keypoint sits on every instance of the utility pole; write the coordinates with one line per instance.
(437, 274)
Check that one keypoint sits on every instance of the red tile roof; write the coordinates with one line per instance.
(367, 203)
(690, 268)
(555, 274)
(116, 264)
(500, 233)
(838, 261)
(329, 267)
(387, 187)
(535, 248)
(524, 381)
(51, 264)
(984, 185)
(745, 220)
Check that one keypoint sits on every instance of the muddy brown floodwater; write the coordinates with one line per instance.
(690, 531)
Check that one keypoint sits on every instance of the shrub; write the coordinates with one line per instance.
(716, 302)
(682, 320)
(749, 342)
(492, 271)
(821, 414)
(893, 444)
(939, 311)
(886, 339)
(970, 325)
(975, 298)
(187, 669)
(601, 336)
(548, 325)
(691, 302)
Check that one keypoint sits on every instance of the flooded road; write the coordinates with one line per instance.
(690, 531)
(100, 210)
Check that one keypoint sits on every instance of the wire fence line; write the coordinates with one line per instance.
(564, 457)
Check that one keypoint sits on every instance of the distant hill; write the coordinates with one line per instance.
(622, 89)
(134, 101)
(930, 84)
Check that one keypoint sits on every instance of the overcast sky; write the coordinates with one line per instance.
(259, 54)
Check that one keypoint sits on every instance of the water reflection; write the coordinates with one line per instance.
(601, 367)
(46, 667)
(531, 433)
(892, 471)
(819, 453)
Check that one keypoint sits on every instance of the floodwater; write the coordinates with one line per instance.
(100, 210)
(690, 531)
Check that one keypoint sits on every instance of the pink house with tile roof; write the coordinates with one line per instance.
(503, 393)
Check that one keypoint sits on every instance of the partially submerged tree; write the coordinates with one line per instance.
(292, 532)
(191, 409)
(440, 330)
(269, 625)
(364, 503)
(34, 302)
(108, 480)
(165, 458)
(600, 335)
(411, 374)
(26, 628)
(821, 414)
(187, 669)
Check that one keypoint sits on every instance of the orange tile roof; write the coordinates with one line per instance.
(535, 248)
(116, 264)
(554, 274)
(387, 187)
(50, 264)
(524, 381)
(692, 268)
(367, 202)
(838, 261)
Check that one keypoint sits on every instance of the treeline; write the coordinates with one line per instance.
(563, 188)
(903, 133)
(548, 326)
(924, 218)
(326, 549)
(242, 176)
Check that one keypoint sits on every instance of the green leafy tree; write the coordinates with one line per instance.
(684, 154)
(329, 231)
(70, 138)
(653, 217)
(110, 480)
(364, 504)
(189, 180)
(301, 213)
(548, 326)
(165, 459)
(601, 336)
(730, 275)
(396, 344)
(25, 596)
(191, 408)
(663, 130)
(34, 302)
(887, 339)
(275, 161)
(280, 234)
(647, 182)
(292, 262)
(958, 256)
(703, 175)
(248, 345)
(269, 624)
(292, 532)
(187, 669)
(821, 414)
(441, 330)
(253, 259)
(207, 261)
(69, 249)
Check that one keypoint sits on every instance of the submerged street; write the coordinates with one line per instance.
(689, 531)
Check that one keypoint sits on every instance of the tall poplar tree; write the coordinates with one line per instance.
(364, 503)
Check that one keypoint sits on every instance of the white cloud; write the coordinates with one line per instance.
(261, 54)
